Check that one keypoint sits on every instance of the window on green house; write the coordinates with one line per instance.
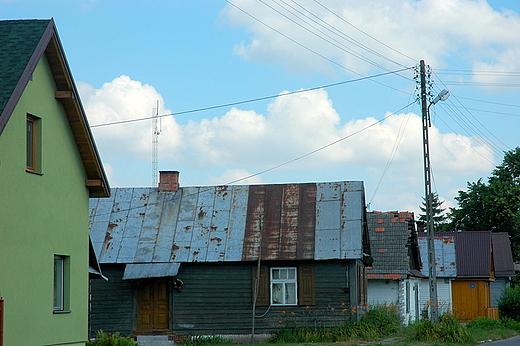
(33, 144)
(61, 284)
(283, 286)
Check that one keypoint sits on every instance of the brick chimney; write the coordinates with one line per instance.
(168, 180)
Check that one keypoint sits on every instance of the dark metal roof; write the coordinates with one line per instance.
(22, 45)
(502, 255)
(473, 254)
(478, 254)
(394, 245)
(230, 223)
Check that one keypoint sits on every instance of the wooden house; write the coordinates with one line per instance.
(49, 167)
(394, 278)
(484, 264)
(190, 260)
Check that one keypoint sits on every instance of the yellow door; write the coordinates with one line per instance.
(471, 298)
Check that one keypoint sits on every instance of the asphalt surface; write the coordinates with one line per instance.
(506, 342)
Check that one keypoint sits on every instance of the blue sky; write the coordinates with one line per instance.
(129, 56)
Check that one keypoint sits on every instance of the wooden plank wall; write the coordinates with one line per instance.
(222, 303)
(111, 302)
(217, 299)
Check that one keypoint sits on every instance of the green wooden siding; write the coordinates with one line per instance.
(217, 299)
(112, 302)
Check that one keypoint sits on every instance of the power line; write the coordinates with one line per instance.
(363, 32)
(250, 100)
(305, 47)
(320, 148)
(309, 20)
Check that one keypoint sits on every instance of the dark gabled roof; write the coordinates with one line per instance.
(478, 254)
(502, 255)
(311, 221)
(394, 245)
(22, 44)
(473, 254)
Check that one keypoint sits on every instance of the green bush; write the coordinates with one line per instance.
(386, 318)
(485, 323)
(509, 323)
(115, 339)
(448, 329)
(509, 303)
(207, 340)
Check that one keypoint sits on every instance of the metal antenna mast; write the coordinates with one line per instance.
(155, 144)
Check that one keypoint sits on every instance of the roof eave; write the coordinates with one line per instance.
(50, 45)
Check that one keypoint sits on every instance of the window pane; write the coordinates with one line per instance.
(30, 143)
(290, 293)
(291, 273)
(283, 274)
(58, 283)
(276, 274)
(277, 293)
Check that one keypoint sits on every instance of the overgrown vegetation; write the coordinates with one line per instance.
(448, 329)
(207, 341)
(378, 322)
(385, 322)
(111, 339)
(509, 303)
(485, 328)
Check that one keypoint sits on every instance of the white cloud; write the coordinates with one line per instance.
(432, 30)
(295, 125)
(237, 177)
(125, 99)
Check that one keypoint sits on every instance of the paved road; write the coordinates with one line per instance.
(506, 342)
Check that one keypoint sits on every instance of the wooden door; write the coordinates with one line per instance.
(153, 306)
(471, 298)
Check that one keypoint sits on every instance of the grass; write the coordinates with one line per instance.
(380, 326)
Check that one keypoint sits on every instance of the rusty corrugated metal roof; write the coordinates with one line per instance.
(445, 254)
(230, 223)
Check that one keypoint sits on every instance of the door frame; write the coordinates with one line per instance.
(138, 285)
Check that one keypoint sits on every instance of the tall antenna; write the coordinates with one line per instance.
(156, 131)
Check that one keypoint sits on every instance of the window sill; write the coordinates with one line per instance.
(33, 172)
(59, 312)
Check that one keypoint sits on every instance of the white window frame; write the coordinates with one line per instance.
(288, 282)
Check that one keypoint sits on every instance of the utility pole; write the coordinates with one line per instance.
(433, 304)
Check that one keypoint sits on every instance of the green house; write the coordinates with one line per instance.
(49, 167)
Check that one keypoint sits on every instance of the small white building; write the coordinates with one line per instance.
(395, 276)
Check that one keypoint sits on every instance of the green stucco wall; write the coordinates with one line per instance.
(40, 216)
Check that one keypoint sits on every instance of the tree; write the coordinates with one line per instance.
(439, 216)
(492, 206)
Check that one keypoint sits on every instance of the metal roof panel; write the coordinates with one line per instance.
(230, 223)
